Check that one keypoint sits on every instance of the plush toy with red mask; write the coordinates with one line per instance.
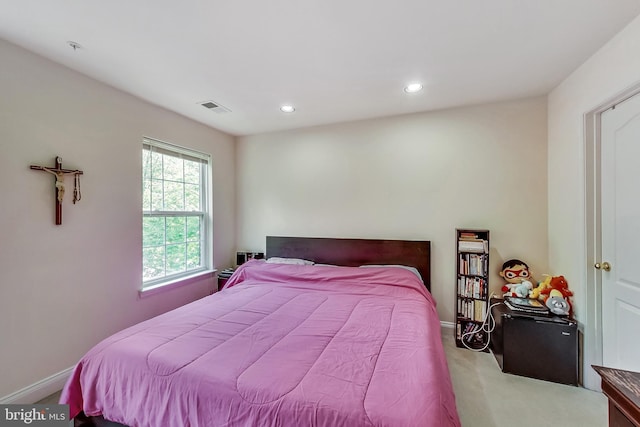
(518, 277)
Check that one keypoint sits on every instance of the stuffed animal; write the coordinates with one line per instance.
(521, 290)
(558, 289)
(535, 293)
(516, 274)
(558, 304)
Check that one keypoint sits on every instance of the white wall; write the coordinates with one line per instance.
(612, 69)
(408, 177)
(64, 288)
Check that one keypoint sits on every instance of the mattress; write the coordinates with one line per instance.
(281, 345)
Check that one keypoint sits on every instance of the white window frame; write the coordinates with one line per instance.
(166, 148)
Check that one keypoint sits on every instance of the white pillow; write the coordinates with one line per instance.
(294, 261)
(406, 267)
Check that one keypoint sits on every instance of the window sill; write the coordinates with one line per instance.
(177, 283)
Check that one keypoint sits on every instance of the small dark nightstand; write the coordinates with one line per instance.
(542, 347)
(223, 276)
(221, 282)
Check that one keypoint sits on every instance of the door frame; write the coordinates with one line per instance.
(592, 347)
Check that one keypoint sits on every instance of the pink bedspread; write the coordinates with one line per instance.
(282, 345)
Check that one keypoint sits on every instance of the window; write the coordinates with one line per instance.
(175, 222)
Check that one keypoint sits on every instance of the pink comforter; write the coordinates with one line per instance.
(282, 345)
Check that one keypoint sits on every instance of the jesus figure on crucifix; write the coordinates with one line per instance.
(59, 182)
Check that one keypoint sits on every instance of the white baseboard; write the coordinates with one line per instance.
(449, 325)
(39, 390)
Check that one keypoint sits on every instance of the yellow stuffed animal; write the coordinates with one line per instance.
(545, 284)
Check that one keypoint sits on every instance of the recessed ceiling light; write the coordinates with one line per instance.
(287, 108)
(413, 87)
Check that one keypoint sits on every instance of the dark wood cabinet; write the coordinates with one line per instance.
(622, 388)
(542, 347)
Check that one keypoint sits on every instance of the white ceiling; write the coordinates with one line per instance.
(335, 60)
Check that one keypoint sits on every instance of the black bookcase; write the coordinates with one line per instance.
(472, 287)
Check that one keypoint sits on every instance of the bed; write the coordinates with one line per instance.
(284, 344)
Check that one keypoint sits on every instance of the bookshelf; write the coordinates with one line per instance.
(472, 286)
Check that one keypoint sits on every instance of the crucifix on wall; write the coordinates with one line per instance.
(59, 174)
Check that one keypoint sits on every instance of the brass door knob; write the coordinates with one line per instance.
(604, 266)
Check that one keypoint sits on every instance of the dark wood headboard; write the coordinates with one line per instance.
(355, 252)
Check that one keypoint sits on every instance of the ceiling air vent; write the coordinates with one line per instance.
(215, 107)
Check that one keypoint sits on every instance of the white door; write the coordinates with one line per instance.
(620, 202)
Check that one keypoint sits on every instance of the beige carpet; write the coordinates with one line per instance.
(486, 397)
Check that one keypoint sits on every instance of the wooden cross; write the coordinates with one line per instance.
(59, 174)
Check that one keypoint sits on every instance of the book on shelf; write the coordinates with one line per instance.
(472, 334)
(472, 287)
(468, 235)
(472, 309)
(477, 246)
(479, 310)
(474, 264)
